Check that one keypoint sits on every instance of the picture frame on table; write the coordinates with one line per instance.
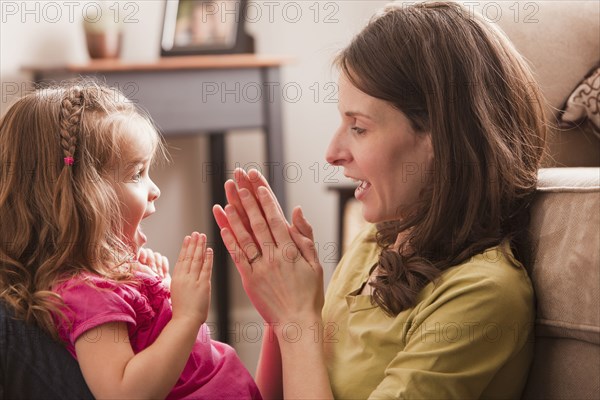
(195, 27)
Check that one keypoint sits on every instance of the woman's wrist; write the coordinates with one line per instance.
(309, 328)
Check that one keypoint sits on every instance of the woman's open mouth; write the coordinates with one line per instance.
(362, 189)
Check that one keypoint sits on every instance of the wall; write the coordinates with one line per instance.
(309, 31)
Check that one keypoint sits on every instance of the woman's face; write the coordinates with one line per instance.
(377, 146)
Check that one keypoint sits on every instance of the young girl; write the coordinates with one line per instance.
(74, 188)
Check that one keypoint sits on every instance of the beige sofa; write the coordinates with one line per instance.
(565, 229)
(561, 41)
(562, 46)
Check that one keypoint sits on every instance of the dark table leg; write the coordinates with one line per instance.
(275, 173)
(275, 166)
(221, 256)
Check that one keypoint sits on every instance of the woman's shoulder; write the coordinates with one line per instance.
(493, 277)
(495, 265)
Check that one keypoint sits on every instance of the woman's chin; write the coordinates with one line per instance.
(370, 216)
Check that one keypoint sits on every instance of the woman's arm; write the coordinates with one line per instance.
(303, 361)
(108, 363)
(285, 284)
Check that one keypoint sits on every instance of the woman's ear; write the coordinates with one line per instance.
(428, 144)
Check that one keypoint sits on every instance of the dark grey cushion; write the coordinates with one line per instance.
(33, 366)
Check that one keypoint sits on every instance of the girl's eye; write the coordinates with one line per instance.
(137, 177)
(358, 130)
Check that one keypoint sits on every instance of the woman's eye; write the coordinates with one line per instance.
(358, 130)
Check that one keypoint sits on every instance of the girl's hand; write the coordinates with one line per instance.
(155, 263)
(285, 279)
(190, 284)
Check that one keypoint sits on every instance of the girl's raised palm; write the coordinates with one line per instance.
(190, 283)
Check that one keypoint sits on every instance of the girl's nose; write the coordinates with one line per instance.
(154, 192)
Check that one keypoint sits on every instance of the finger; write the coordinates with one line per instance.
(189, 253)
(299, 221)
(157, 263)
(306, 246)
(257, 179)
(235, 251)
(259, 224)
(277, 225)
(165, 266)
(184, 247)
(145, 269)
(220, 216)
(233, 198)
(149, 258)
(243, 181)
(249, 248)
(207, 265)
(198, 257)
(142, 258)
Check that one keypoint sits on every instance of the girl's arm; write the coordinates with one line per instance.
(108, 363)
(285, 285)
(269, 376)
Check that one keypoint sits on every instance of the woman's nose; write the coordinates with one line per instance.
(337, 151)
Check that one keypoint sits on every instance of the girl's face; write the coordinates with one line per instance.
(377, 146)
(135, 189)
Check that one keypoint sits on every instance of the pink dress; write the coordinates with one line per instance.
(213, 370)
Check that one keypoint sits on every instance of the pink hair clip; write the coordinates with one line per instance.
(69, 160)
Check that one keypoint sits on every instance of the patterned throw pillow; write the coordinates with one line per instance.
(583, 106)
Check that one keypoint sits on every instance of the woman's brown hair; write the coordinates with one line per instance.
(460, 80)
(59, 219)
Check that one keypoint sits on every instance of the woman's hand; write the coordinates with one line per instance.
(283, 278)
(190, 285)
(154, 263)
(278, 263)
(300, 230)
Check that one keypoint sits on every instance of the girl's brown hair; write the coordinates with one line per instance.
(460, 80)
(59, 219)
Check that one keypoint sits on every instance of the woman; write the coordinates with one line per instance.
(443, 126)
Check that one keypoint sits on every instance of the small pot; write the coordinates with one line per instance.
(104, 44)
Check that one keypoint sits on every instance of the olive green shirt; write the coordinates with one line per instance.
(469, 336)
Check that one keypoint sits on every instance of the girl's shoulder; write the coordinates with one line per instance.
(90, 300)
(87, 283)
(83, 279)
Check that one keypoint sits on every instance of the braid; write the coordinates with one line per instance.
(70, 120)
